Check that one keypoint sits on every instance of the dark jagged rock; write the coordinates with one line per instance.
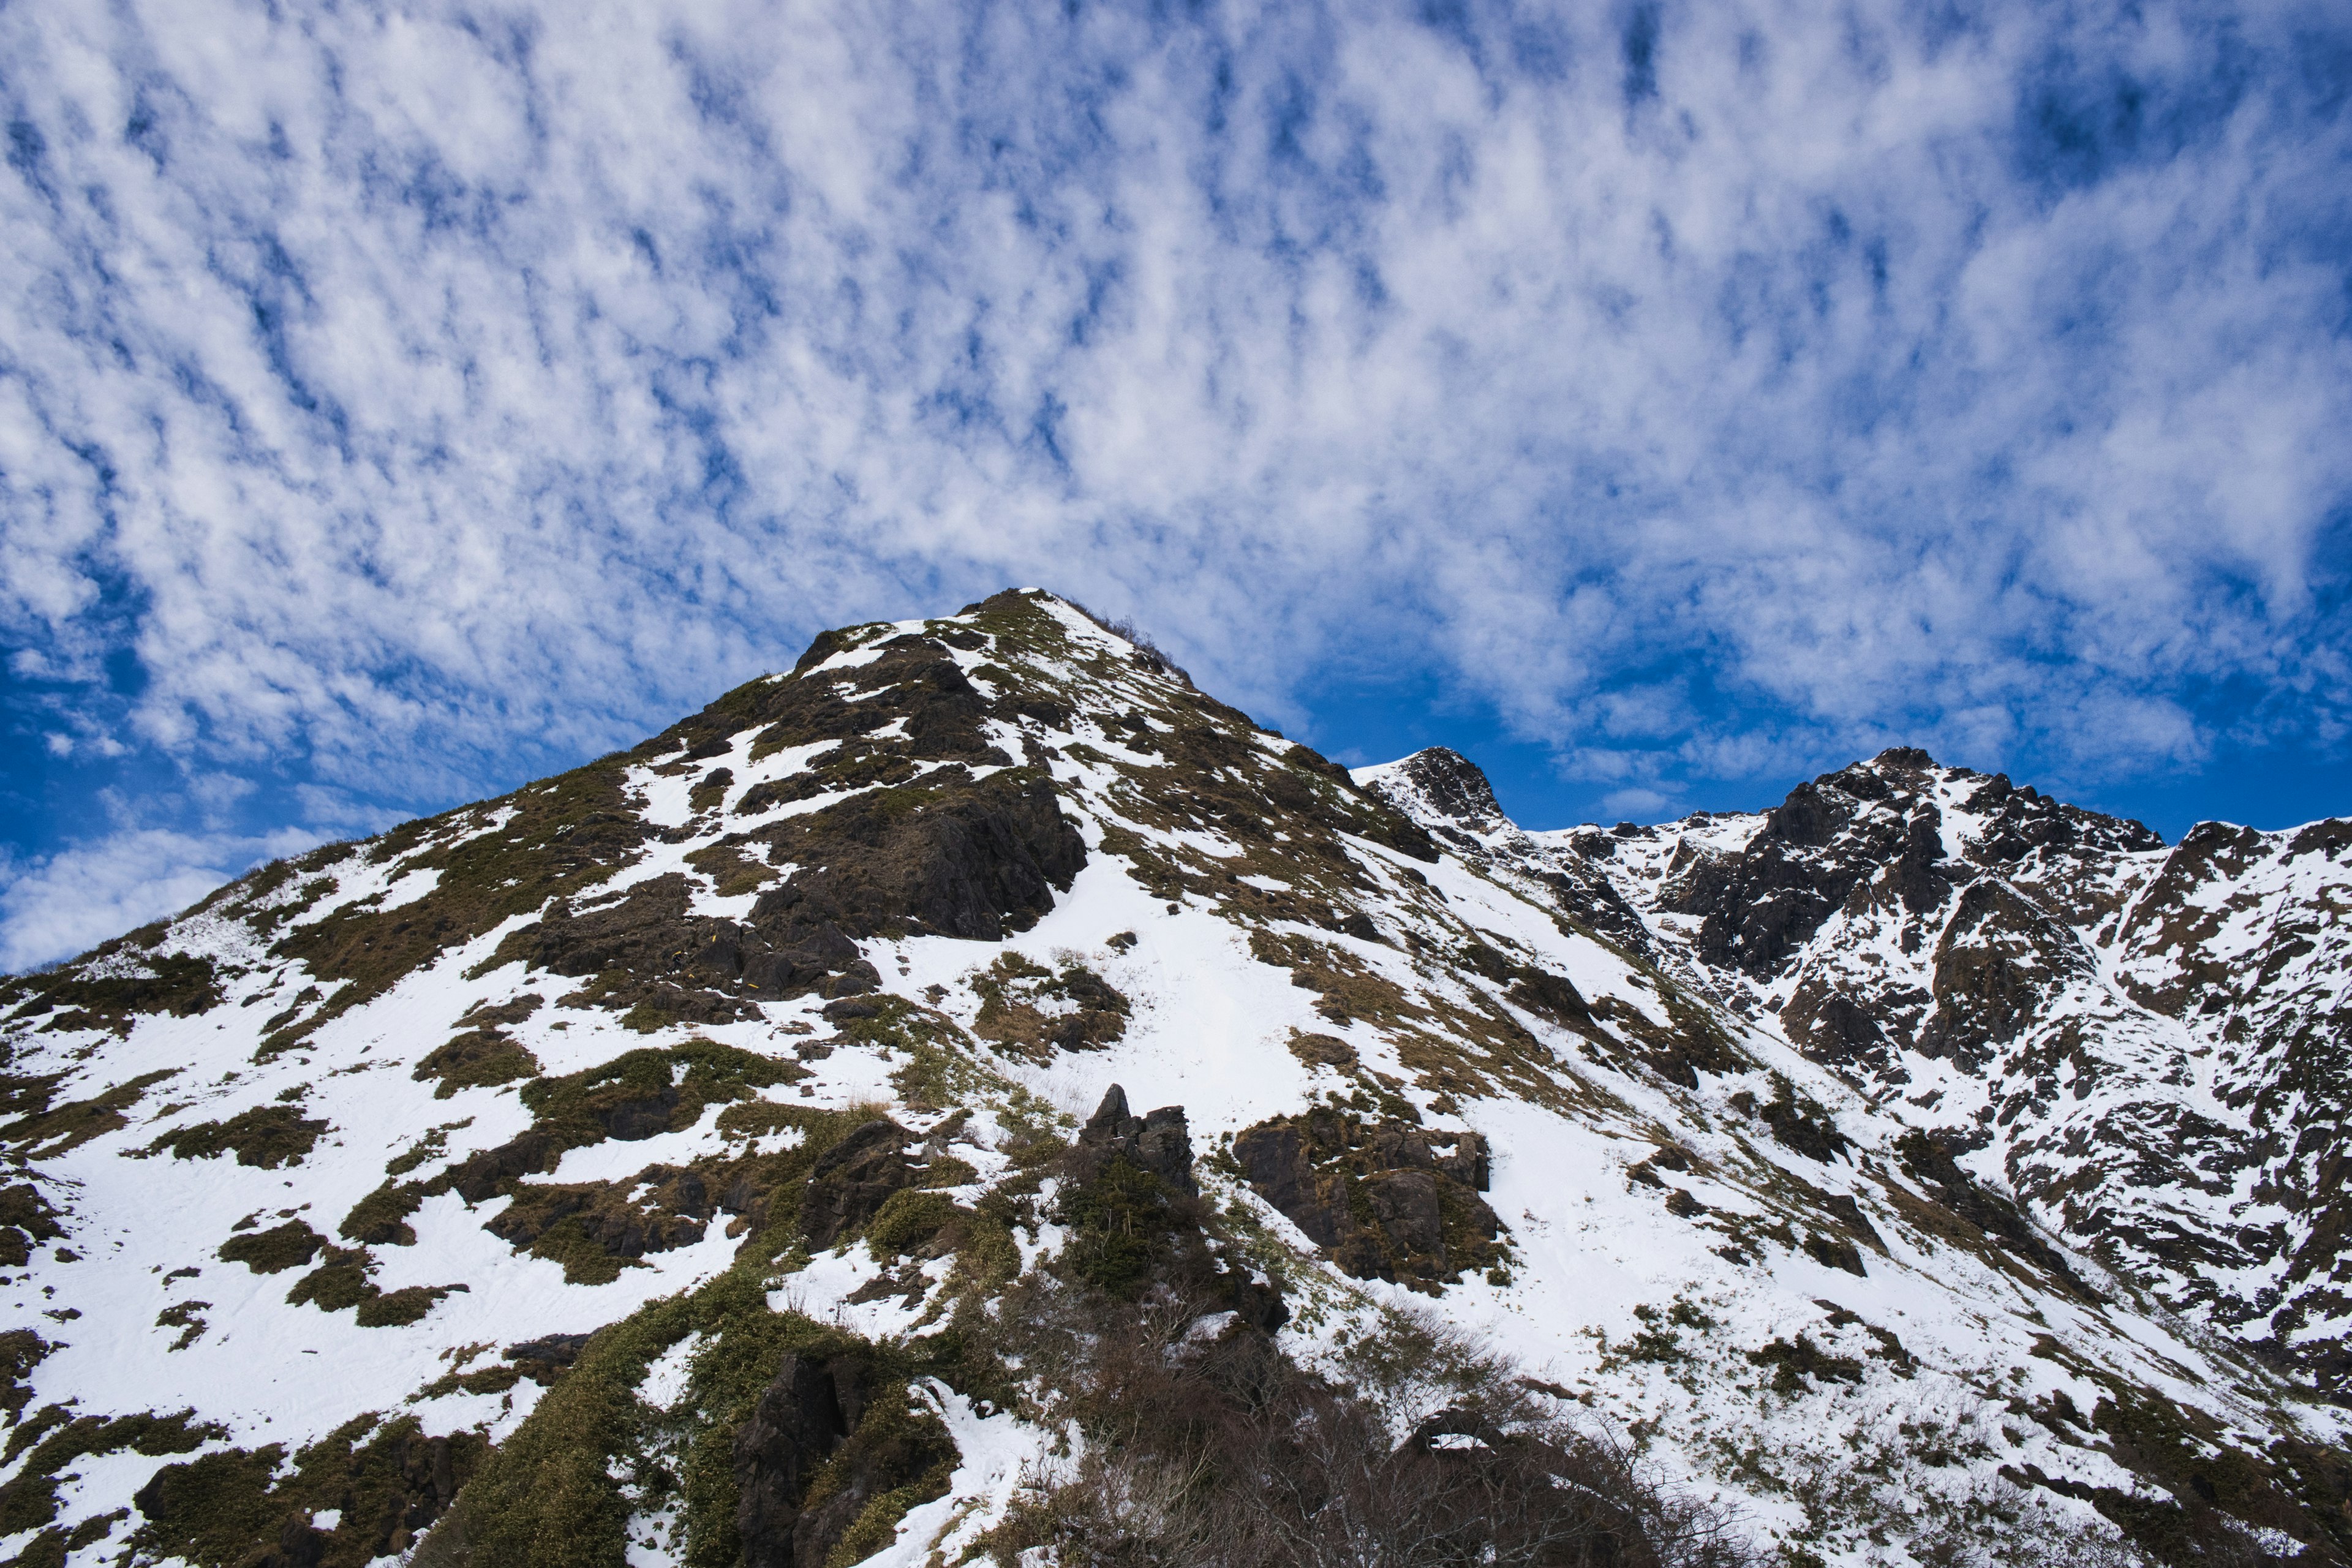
(2000, 955)
(1455, 787)
(806, 1412)
(981, 859)
(840, 1416)
(852, 1181)
(555, 1350)
(1447, 793)
(1158, 1142)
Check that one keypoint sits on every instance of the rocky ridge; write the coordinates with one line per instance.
(723, 1153)
(2148, 1045)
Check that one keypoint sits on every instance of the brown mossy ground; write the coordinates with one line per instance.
(1385, 1198)
(734, 871)
(1456, 1047)
(2203, 1481)
(56, 1437)
(1962, 1211)
(176, 984)
(48, 1132)
(21, 1350)
(269, 1136)
(593, 1229)
(548, 1498)
(188, 1317)
(566, 833)
(1798, 1365)
(483, 1055)
(1033, 1011)
(27, 1220)
(273, 1251)
(653, 1090)
(340, 1282)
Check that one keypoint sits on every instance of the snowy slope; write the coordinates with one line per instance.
(1754, 1095)
(2149, 1044)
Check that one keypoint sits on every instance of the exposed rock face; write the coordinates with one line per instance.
(1158, 1142)
(854, 1179)
(1376, 1196)
(804, 1414)
(2121, 1034)
(1450, 787)
(837, 1415)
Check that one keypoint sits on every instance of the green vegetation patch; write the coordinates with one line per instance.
(1122, 1225)
(381, 1218)
(339, 1282)
(732, 868)
(51, 1132)
(27, 1220)
(232, 1510)
(1799, 1363)
(21, 1350)
(639, 1092)
(484, 1054)
(28, 1501)
(907, 1219)
(550, 1497)
(275, 1251)
(269, 1136)
(342, 1283)
(188, 1317)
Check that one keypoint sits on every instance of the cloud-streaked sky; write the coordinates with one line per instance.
(1666, 401)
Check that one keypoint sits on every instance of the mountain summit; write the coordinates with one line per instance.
(975, 1096)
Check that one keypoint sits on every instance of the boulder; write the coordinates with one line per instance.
(852, 1180)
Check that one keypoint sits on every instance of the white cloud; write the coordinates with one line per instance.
(427, 398)
(57, 905)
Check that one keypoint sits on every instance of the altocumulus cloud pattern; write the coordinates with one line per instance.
(397, 400)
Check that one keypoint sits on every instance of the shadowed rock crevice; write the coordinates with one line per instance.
(831, 1443)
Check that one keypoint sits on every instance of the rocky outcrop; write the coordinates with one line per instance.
(2131, 1041)
(807, 1411)
(828, 1434)
(1379, 1196)
(1159, 1143)
(1444, 792)
(1451, 787)
(852, 1181)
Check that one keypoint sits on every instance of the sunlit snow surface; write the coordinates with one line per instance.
(1209, 1030)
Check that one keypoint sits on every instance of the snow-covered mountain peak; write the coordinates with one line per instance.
(1442, 786)
(711, 1155)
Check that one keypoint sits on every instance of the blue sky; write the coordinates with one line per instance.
(1659, 403)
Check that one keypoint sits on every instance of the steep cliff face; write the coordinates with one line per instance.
(976, 1095)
